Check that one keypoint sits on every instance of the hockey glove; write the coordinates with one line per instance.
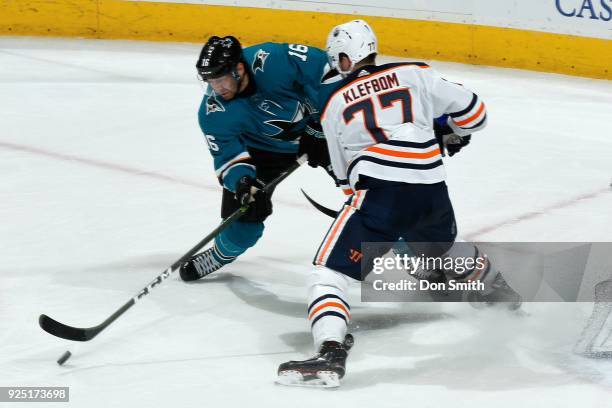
(248, 190)
(455, 143)
(314, 145)
(448, 140)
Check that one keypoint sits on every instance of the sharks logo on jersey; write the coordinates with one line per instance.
(284, 127)
(213, 105)
(259, 61)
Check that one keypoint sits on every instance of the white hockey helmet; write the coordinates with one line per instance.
(355, 39)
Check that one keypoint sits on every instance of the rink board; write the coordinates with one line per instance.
(466, 43)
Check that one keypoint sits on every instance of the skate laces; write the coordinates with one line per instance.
(205, 263)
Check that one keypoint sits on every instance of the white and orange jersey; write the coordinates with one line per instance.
(378, 122)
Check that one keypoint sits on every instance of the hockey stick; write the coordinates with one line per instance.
(58, 329)
(327, 211)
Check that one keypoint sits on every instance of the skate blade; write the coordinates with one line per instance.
(323, 379)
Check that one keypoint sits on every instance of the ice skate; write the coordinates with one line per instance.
(324, 370)
(200, 265)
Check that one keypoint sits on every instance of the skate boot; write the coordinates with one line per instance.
(323, 370)
(200, 265)
(500, 292)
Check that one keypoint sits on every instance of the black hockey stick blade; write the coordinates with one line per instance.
(327, 211)
(58, 329)
(63, 331)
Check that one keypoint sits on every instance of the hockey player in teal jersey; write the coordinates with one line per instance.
(257, 116)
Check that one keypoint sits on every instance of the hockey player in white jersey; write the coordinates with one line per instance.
(378, 124)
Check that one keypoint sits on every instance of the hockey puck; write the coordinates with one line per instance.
(64, 357)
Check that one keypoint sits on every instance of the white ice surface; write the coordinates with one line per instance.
(106, 181)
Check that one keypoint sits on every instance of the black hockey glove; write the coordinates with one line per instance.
(448, 140)
(455, 143)
(248, 190)
(313, 144)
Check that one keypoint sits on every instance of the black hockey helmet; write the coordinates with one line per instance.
(219, 56)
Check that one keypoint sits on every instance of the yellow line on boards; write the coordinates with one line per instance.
(482, 45)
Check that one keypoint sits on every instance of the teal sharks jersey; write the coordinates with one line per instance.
(270, 115)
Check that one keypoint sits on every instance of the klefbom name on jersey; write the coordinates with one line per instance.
(366, 88)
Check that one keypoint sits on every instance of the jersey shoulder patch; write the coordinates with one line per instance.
(258, 56)
(213, 105)
(259, 60)
(218, 116)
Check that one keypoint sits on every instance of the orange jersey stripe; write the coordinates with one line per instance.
(329, 304)
(355, 199)
(405, 155)
(471, 118)
(347, 191)
(333, 234)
